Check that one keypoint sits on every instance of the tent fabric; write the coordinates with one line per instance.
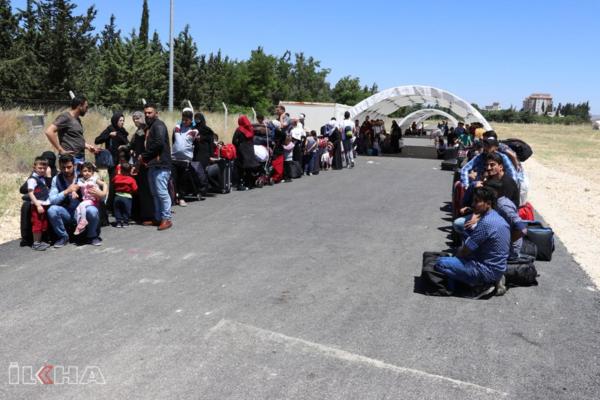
(384, 103)
(421, 115)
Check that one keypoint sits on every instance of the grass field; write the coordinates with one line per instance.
(571, 149)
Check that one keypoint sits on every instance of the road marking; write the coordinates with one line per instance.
(233, 327)
(188, 256)
(152, 281)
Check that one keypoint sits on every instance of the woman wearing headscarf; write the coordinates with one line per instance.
(243, 140)
(204, 144)
(114, 136)
(336, 139)
(395, 137)
(143, 204)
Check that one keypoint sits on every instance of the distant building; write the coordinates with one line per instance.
(494, 107)
(539, 103)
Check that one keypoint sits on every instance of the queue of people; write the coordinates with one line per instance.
(149, 172)
(488, 193)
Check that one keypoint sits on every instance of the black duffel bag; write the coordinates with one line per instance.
(432, 282)
(521, 271)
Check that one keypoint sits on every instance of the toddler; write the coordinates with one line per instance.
(86, 183)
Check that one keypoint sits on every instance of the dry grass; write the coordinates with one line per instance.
(571, 149)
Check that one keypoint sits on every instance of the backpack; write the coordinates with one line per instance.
(521, 149)
(228, 152)
(526, 212)
(348, 132)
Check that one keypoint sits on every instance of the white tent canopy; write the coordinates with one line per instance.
(384, 103)
(421, 115)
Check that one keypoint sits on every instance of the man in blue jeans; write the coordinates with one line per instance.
(481, 262)
(157, 157)
(64, 203)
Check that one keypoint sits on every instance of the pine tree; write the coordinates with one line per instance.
(186, 67)
(143, 36)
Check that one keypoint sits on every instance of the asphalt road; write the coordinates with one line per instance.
(300, 291)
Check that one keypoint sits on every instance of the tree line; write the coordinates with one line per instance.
(47, 49)
(566, 114)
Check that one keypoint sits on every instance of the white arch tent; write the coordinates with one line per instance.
(384, 103)
(421, 115)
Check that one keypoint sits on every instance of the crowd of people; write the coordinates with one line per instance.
(142, 176)
(489, 191)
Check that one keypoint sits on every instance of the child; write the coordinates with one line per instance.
(38, 193)
(86, 183)
(325, 158)
(125, 186)
(288, 158)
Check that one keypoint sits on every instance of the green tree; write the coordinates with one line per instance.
(186, 67)
(144, 24)
(349, 91)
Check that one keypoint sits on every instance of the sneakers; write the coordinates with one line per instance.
(62, 242)
(95, 241)
(39, 246)
(500, 287)
(182, 203)
(242, 188)
(481, 292)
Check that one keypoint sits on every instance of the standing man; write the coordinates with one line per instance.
(66, 132)
(348, 133)
(157, 156)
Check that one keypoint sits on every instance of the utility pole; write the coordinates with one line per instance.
(171, 60)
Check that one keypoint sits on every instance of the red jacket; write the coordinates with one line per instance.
(125, 184)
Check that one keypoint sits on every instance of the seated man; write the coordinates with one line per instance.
(507, 210)
(64, 201)
(481, 262)
(477, 163)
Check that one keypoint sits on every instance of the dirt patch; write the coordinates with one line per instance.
(570, 203)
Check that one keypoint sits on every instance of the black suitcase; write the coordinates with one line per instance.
(521, 272)
(543, 237)
(224, 177)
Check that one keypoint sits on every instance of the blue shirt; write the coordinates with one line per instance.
(507, 210)
(478, 165)
(489, 243)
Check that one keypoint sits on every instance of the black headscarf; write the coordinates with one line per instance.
(51, 158)
(204, 143)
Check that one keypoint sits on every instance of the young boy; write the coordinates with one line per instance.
(38, 193)
(125, 187)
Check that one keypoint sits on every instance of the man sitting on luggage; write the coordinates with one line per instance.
(481, 262)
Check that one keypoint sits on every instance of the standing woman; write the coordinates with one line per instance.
(143, 204)
(114, 136)
(336, 139)
(243, 140)
(395, 137)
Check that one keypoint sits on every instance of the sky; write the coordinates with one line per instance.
(482, 51)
